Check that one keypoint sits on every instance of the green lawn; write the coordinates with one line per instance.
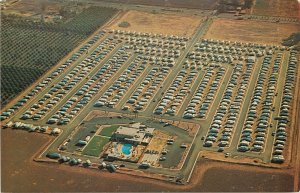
(95, 146)
(108, 131)
(262, 4)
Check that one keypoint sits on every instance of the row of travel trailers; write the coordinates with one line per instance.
(85, 94)
(227, 52)
(148, 35)
(118, 89)
(31, 127)
(242, 44)
(199, 105)
(285, 110)
(229, 49)
(258, 118)
(174, 96)
(57, 92)
(227, 113)
(141, 97)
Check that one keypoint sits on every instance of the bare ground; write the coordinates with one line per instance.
(227, 177)
(250, 31)
(157, 23)
(282, 8)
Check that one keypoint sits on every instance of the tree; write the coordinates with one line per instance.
(292, 40)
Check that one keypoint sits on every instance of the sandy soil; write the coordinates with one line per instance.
(250, 31)
(158, 23)
(282, 8)
(229, 178)
(20, 173)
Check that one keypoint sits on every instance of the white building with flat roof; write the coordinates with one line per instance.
(135, 135)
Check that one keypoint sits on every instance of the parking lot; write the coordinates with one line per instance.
(241, 94)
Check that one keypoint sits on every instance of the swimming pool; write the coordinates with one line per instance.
(126, 149)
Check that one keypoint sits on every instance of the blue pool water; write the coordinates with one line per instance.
(126, 149)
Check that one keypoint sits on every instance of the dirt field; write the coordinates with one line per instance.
(250, 31)
(158, 23)
(283, 8)
(18, 148)
(31, 7)
(249, 180)
(157, 144)
(197, 4)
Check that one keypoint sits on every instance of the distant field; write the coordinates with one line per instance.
(197, 4)
(95, 146)
(29, 49)
(31, 7)
(108, 131)
(283, 8)
(158, 23)
(250, 31)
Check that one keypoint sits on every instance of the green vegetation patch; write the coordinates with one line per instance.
(108, 131)
(90, 19)
(262, 4)
(95, 146)
(13, 79)
(124, 24)
(292, 40)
